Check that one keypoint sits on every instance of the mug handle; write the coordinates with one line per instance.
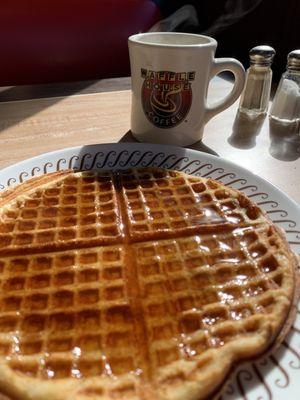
(234, 66)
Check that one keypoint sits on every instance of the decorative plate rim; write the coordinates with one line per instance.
(167, 147)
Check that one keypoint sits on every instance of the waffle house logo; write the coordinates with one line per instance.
(166, 96)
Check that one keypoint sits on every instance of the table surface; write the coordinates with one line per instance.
(102, 115)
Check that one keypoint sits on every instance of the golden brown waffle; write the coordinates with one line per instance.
(60, 211)
(143, 284)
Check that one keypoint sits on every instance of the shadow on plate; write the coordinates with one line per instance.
(202, 147)
(128, 137)
(285, 140)
(245, 129)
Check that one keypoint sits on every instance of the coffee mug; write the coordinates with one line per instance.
(170, 75)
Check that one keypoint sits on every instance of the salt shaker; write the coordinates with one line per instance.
(255, 97)
(286, 103)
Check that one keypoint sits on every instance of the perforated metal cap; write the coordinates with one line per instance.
(294, 60)
(262, 55)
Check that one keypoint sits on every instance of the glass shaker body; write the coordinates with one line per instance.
(255, 98)
(286, 103)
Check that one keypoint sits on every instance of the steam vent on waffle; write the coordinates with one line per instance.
(143, 284)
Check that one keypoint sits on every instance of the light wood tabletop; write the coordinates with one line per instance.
(31, 127)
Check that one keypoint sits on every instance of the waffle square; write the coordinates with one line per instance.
(70, 210)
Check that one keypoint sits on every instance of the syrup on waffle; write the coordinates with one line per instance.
(142, 284)
(74, 210)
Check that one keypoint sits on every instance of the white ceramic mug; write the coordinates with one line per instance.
(170, 76)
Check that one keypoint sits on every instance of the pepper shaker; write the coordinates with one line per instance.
(255, 97)
(286, 103)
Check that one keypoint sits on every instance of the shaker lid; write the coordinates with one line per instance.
(294, 60)
(262, 55)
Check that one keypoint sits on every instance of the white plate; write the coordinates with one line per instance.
(277, 376)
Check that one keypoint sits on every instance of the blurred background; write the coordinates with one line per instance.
(239, 25)
(75, 40)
